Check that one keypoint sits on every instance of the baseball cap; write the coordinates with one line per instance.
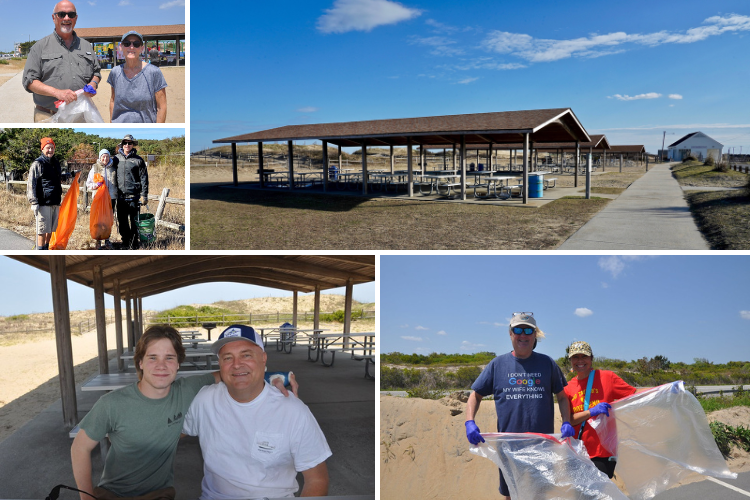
(523, 318)
(130, 138)
(234, 333)
(131, 33)
(580, 347)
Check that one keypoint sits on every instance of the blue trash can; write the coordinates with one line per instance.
(480, 167)
(333, 173)
(536, 185)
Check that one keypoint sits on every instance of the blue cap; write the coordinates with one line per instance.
(131, 33)
(237, 332)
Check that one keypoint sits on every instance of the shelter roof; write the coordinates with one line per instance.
(544, 125)
(597, 142)
(682, 139)
(148, 32)
(149, 275)
(637, 148)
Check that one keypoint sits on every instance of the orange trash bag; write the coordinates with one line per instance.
(66, 220)
(101, 218)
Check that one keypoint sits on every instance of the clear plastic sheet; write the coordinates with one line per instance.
(661, 436)
(82, 110)
(543, 466)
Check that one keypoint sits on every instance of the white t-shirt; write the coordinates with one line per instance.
(255, 449)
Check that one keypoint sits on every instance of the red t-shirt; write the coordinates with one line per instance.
(607, 387)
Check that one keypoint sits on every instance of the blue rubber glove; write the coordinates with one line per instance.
(567, 430)
(89, 89)
(472, 432)
(599, 409)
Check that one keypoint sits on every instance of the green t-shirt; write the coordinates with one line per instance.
(144, 434)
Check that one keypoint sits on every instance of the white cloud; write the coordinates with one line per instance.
(409, 337)
(745, 314)
(468, 80)
(442, 332)
(612, 264)
(498, 324)
(420, 327)
(93, 4)
(468, 346)
(545, 50)
(583, 312)
(675, 96)
(123, 3)
(441, 46)
(405, 325)
(605, 284)
(307, 109)
(173, 3)
(363, 15)
(650, 95)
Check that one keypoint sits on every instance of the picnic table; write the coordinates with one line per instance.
(493, 180)
(189, 353)
(446, 182)
(286, 338)
(193, 342)
(360, 345)
(114, 381)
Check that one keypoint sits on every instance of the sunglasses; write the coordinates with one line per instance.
(128, 143)
(526, 331)
(135, 44)
(61, 15)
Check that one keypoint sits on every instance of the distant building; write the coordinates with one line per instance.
(698, 144)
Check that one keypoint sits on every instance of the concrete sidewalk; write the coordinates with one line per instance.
(17, 104)
(14, 241)
(651, 214)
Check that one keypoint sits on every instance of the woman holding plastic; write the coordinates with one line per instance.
(589, 394)
(106, 167)
(139, 90)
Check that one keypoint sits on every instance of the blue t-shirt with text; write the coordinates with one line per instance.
(524, 391)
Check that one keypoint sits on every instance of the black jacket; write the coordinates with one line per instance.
(44, 186)
(132, 176)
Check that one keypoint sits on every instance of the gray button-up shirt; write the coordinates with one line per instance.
(52, 63)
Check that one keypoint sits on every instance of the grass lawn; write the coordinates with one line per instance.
(722, 216)
(237, 219)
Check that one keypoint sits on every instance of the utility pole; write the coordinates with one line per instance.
(663, 137)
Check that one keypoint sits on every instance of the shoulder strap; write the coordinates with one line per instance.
(586, 400)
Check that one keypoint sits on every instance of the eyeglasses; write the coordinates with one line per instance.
(127, 143)
(526, 331)
(61, 15)
(135, 44)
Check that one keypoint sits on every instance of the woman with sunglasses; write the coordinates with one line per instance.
(605, 387)
(139, 90)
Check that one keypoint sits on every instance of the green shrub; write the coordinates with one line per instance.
(206, 314)
(4, 61)
(18, 317)
(689, 158)
(709, 161)
(338, 316)
(423, 392)
(725, 435)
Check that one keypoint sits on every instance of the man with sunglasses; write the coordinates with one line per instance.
(132, 185)
(524, 385)
(60, 64)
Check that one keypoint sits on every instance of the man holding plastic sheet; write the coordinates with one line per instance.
(132, 185)
(524, 385)
(254, 442)
(44, 192)
(60, 64)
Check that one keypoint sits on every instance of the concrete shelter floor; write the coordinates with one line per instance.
(37, 457)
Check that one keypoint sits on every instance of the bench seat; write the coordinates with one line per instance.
(547, 181)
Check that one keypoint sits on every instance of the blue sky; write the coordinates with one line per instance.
(138, 133)
(33, 19)
(630, 70)
(626, 307)
(31, 293)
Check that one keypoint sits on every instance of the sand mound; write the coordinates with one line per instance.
(424, 452)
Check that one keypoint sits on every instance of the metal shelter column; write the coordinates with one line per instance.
(392, 166)
(325, 166)
(463, 167)
(578, 160)
(290, 162)
(261, 166)
(589, 162)
(364, 168)
(526, 137)
(61, 309)
(234, 163)
(409, 167)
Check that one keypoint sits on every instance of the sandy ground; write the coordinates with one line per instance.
(29, 380)
(424, 452)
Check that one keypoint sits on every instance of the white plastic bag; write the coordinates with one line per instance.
(82, 110)
(543, 466)
(661, 436)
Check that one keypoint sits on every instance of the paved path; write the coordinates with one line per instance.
(651, 214)
(14, 241)
(18, 105)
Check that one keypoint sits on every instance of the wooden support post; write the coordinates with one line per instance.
(61, 311)
(325, 166)
(348, 310)
(620, 162)
(577, 164)
(526, 137)
(364, 168)
(409, 167)
(445, 166)
(294, 308)
(463, 167)
(129, 322)
(118, 325)
(489, 159)
(589, 161)
(392, 163)
(234, 164)
(290, 153)
(162, 204)
(101, 320)
(454, 156)
(316, 307)
(261, 168)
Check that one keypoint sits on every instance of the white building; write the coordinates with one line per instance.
(698, 144)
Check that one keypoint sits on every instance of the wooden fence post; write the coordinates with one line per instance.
(162, 203)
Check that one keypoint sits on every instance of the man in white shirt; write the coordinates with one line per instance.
(254, 442)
